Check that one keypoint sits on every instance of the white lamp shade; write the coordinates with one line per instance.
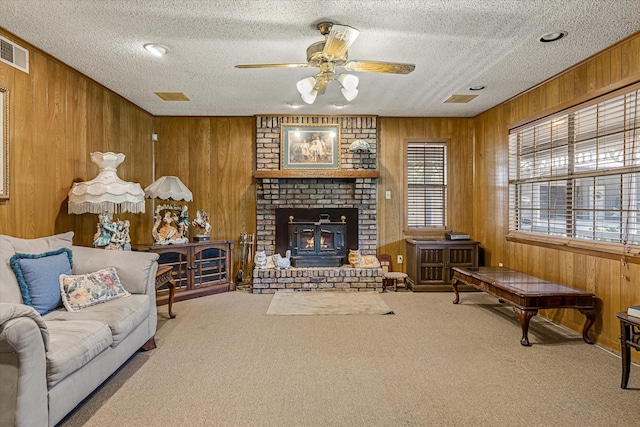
(168, 188)
(309, 98)
(106, 193)
(348, 82)
(305, 86)
(349, 95)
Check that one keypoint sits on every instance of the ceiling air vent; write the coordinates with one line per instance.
(14, 55)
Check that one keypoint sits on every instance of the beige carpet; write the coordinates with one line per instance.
(326, 303)
(224, 362)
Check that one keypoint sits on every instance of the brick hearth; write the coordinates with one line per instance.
(315, 192)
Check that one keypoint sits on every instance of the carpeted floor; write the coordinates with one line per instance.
(327, 303)
(224, 362)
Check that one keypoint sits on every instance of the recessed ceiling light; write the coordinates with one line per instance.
(294, 105)
(339, 106)
(156, 49)
(553, 36)
(479, 87)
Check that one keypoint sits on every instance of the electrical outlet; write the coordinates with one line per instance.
(500, 264)
(400, 259)
(387, 195)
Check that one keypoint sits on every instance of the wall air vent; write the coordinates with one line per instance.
(14, 55)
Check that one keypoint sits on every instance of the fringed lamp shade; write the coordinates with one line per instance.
(106, 193)
(168, 188)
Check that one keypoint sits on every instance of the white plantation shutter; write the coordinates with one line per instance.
(577, 175)
(426, 184)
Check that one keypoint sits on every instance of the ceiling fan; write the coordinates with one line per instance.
(329, 54)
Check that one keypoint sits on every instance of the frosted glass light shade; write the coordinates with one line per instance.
(106, 193)
(307, 90)
(349, 95)
(168, 188)
(348, 81)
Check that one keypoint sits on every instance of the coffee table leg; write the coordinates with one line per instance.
(454, 285)
(625, 335)
(591, 319)
(525, 317)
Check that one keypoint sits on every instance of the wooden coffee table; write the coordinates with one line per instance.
(526, 294)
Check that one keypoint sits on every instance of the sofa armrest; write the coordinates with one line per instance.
(23, 366)
(137, 270)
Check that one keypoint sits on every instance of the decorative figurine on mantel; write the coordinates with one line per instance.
(202, 222)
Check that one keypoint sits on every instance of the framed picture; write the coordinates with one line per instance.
(4, 146)
(310, 146)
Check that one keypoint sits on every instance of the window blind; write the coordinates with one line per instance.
(426, 184)
(577, 175)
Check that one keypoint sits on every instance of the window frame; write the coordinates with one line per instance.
(435, 230)
(582, 245)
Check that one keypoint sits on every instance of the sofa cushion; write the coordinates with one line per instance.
(84, 290)
(122, 315)
(37, 276)
(9, 289)
(73, 344)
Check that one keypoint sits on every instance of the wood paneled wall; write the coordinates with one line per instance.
(394, 133)
(57, 118)
(616, 285)
(215, 158)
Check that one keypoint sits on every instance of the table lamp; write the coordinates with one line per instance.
(105, 195)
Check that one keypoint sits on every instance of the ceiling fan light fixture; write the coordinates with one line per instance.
(348, 81)
(349, 95)
(307, 89)
(156, 49)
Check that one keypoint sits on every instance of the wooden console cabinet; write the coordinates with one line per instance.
(199, 269)
(429, 262)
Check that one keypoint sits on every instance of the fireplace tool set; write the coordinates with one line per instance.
(246, 241)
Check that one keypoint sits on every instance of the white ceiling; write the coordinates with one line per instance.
(454, 44)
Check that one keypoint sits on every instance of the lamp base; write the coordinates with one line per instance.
(112, 234)
(201, 238)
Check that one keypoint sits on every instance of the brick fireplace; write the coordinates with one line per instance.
(353, 186)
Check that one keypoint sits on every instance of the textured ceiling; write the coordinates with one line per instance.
(454, 44)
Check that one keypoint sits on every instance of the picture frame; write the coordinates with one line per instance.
(310, 146)
(4, 143)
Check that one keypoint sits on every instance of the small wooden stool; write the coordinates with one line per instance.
(390, 277)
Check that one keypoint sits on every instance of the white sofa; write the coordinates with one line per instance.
(50, 363)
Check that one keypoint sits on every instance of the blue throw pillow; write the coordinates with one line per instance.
(38, 277)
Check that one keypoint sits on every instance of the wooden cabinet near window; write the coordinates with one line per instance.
(199, 269)
(429, 262)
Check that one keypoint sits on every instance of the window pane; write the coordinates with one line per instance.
(596, 152)
(426, 184)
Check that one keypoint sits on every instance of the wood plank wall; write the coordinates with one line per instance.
(57, 118)
(394, 133)
(613, 68)
(215, 158)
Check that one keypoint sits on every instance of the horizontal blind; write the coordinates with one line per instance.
(426, 184)
(577, 175)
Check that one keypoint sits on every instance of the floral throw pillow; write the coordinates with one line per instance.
(84, 290)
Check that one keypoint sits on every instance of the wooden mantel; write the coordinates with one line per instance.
(318, 173)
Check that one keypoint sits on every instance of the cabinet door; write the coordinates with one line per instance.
(431, 265)
(209, 265)
(179, 259)
(460, 256)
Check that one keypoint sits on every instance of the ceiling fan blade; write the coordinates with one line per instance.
(379, 67)
(292, 65)
(339, 39)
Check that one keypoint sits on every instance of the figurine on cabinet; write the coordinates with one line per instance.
(170, 227)
(202, 222)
